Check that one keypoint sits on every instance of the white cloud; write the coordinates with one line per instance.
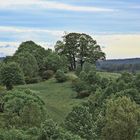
(18, 4)
(115, 45)
(120, 46)
(29, 30)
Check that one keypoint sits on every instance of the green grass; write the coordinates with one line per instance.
(58, 97)
(109, 75)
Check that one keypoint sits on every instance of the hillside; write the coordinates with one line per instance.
(116, 65)
(59, 98)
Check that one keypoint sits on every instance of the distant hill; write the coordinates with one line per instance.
(117, 65)
(2, 58)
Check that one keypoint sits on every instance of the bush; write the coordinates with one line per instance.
(51, 131)
(60, 76)
(87, 67)
(47, 74)
(11, 74)
(33, 80)
(83, 76)
(93, 78)
(80, 122)
(23, 109)
(78, 70)
(81, 88)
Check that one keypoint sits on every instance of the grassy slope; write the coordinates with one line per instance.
(59, 97)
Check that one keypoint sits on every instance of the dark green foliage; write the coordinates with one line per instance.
(80, 122)
(54, 62)
(126, 77)
(37, 51)
(11, 74)
(87, 67)
(121, 119)
(83, 75)
(51, 131)
(79, 48)
(33, 80)
(137, 81)
(47, 74)
(23, 109)
(93, 78)
(104, 82)
(28, 64)
(78, 70)
(80, 85)
(60, 76)
(132, 93)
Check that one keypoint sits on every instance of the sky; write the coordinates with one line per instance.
(114, 24)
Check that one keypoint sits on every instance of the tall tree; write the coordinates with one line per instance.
(28, 64)
(36, 50)
(79, 48)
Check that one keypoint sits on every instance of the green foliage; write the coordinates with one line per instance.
(79, 47)
(93, 78)
(54, 62)
(83, 75)
(104, 82)
(47, 74)
(132, 93)
(121, 119)
(23, 109)
(78, 70)
(60, 76)
(87, 67)
(79, 121)
(11, 74)
(28, 64)
(37, 51)
(137, 81)
(79, 85)
(126, 77)
(51, 131)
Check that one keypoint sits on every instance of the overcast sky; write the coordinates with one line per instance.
(115, 24)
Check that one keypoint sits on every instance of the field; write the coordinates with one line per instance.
(59, 97)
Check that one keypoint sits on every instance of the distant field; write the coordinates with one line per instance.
(109, 75)
(59, 97)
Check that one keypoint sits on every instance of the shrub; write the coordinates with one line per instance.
(33, 80)
(122, 119)
(51, 131)
(11, 74)
(83, 76)
(80, 122)
(23, 109)
(78, 70)
(81, 88)
(87, 67)
(60, 76)
(93, 78)
(47, 74)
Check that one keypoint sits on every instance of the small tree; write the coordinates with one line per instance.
(60, 76)
(121, 119)
(11, 74)
(80, 122)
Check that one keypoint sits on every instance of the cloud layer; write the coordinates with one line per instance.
(12, 4)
